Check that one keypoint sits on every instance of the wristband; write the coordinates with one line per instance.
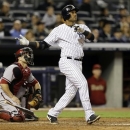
(86, 33)
(33, 44)
(38, 91)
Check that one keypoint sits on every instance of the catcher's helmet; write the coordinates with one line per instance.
(27, 52)
(66, 10)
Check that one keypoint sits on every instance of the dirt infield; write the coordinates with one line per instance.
(69, 124)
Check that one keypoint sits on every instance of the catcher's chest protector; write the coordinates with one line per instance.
(25, 72)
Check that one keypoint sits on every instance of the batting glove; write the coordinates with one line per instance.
(23, 40)
(78, 29)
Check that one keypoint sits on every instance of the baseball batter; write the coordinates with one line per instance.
(70, 37)
(12, 85)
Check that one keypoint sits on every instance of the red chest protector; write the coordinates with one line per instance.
(26, 73)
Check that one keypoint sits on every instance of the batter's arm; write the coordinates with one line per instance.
(39, 44)
(35, 44)
(85, 31)
(88, 35)
(46, 43)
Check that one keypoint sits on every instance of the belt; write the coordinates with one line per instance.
(80, 59)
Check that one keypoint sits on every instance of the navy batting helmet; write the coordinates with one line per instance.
(66, 10)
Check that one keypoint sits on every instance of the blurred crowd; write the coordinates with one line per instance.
(36, 24)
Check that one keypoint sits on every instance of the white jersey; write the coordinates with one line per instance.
(70, 42)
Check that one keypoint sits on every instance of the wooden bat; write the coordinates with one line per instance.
(29, 112)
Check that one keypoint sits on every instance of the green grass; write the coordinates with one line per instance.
(73, 114)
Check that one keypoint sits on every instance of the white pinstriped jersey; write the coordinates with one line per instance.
(70, 42)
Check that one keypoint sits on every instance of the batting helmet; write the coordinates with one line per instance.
(66, 10)
(27, 52)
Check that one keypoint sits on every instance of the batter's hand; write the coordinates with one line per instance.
(23, 40)
(78, 29)
(16, 100)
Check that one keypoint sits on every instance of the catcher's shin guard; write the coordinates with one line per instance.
(20, 117)
(5, 115)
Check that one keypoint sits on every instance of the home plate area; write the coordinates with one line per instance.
(68, 124)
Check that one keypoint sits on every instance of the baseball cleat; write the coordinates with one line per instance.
(93, 118)
(52, 119)
(31, 118)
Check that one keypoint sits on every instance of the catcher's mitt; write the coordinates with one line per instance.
(37, 99)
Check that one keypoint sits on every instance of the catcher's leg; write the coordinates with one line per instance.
(8, 116)
(25, 95)
(24, 100)
(9, 112)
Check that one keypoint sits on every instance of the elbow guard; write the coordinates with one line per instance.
(43, 45)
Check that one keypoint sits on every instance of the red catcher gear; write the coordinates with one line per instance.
(26, 73)
(27, 52)
(5, 115)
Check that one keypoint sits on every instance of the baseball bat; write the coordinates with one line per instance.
(29, 112)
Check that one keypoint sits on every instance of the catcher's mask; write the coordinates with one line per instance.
(65, 11)
(27, 52)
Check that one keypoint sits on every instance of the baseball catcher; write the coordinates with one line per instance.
(16, 80)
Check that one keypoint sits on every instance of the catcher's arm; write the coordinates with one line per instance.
(37, 97)
(5, 88)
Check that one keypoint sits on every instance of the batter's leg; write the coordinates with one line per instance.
(64, 100)
(72, 70)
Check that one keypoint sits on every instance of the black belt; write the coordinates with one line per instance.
(75, 58)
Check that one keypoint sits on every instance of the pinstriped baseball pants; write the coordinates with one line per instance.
(75, 80)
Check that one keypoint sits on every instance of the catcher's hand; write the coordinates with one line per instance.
(23, 40)
(37, 100)
(16, 100)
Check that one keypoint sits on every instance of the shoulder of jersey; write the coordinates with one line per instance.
(61, 25)
(12, 66)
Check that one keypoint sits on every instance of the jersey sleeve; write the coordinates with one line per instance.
(52, 37)
(8, 75)
(32, 80)
(85, 27)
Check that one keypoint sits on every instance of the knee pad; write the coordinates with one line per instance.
(18, 117)
(5, 115)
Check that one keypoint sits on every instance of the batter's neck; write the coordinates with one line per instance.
(68, 23)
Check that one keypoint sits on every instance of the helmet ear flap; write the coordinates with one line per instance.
(67, 16)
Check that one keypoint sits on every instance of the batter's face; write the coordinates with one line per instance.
(73, 16)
